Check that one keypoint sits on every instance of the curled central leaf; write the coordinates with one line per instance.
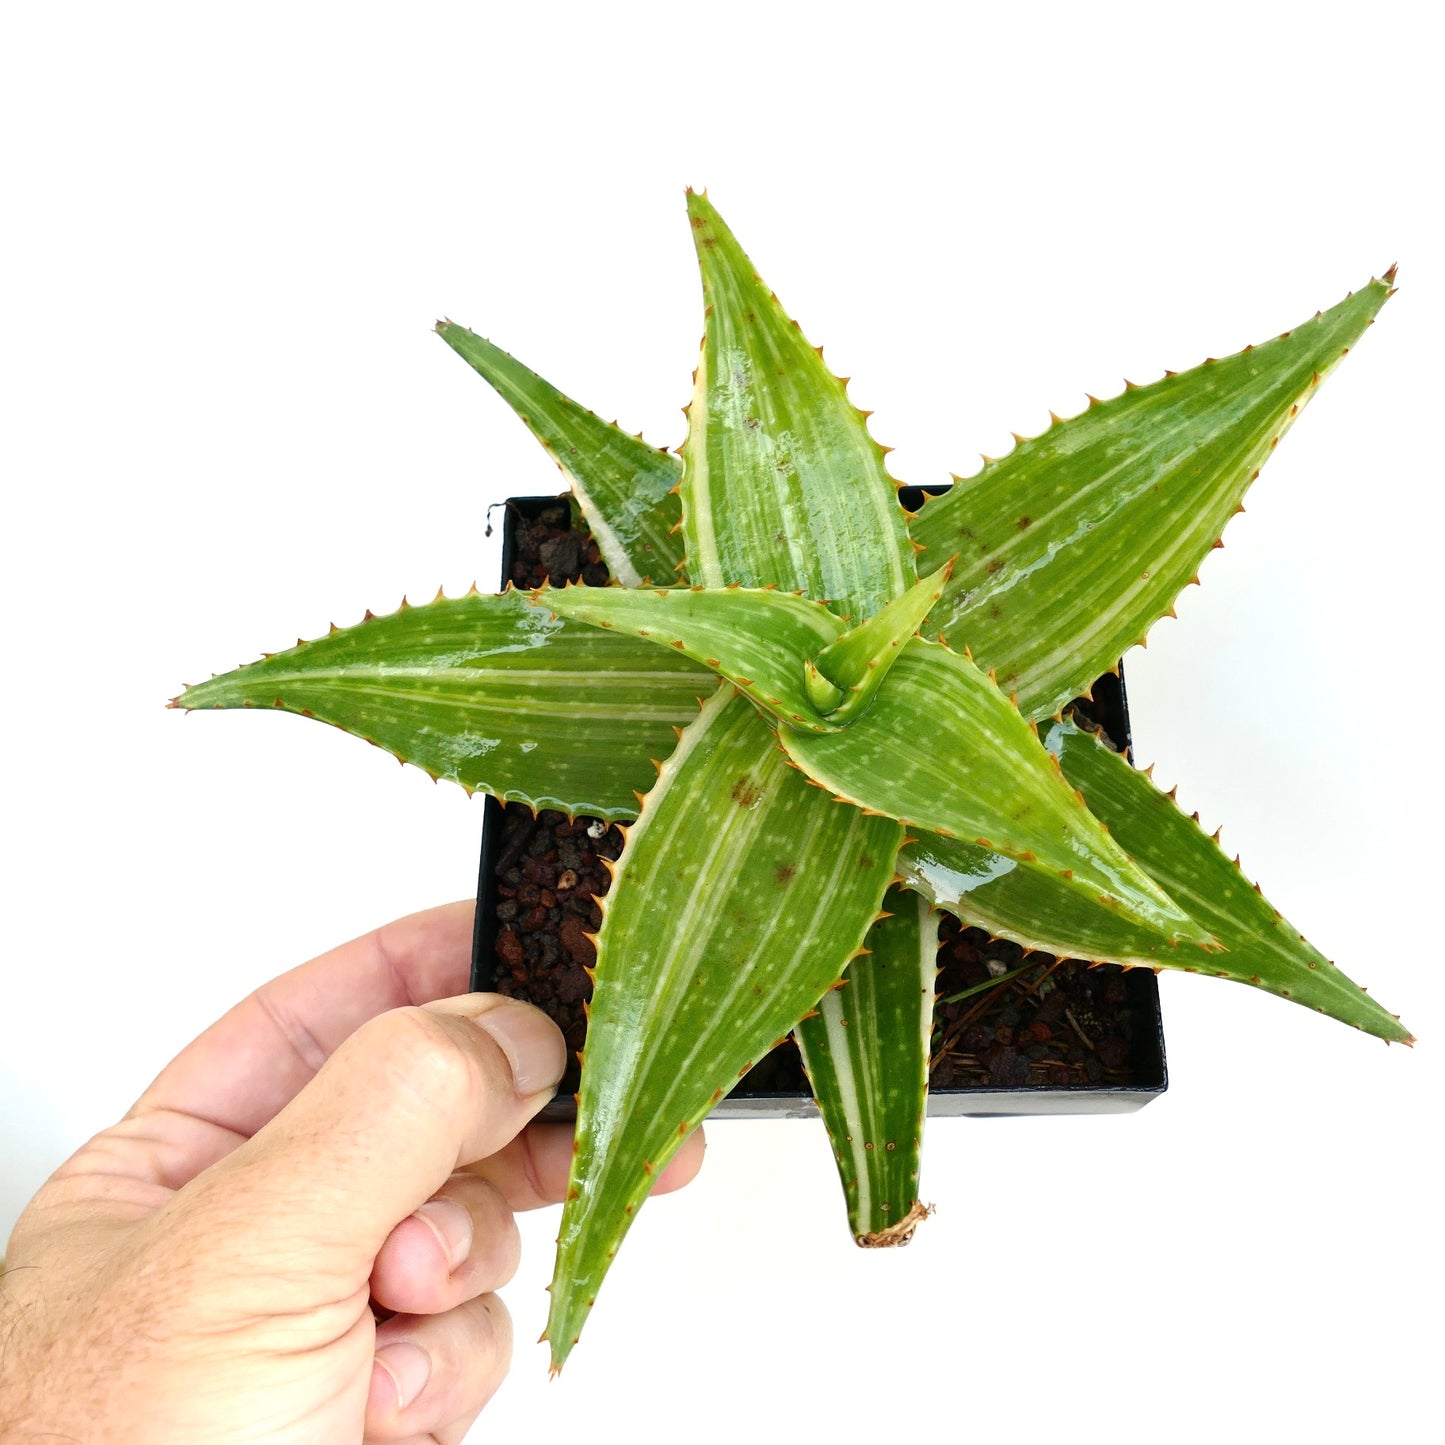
(843, 678)
(753, 636)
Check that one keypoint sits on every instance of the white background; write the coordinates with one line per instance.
(228, 231)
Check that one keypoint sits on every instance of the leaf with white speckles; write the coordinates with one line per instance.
(1074, 544)
(626, 489)
(991, 782)
(866, 1053)
(739, 897)
(489, 692)
(782, 483)
(1260, 947)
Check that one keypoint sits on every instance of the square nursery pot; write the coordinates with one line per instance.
(1091, 1043)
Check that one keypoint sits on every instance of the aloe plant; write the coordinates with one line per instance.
(751, 694)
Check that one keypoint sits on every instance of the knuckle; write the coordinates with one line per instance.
(482, 1199)
(500, 1240)
(531, 1167)
(416, 1048)
(496, 1240)
(493, 1330)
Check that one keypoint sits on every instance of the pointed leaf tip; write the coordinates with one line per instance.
(1018, 593)
(775, 450)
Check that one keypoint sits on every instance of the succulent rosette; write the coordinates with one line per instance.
(780, 635)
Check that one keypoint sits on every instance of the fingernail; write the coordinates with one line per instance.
(409, 1367)
(452, 1225)
(532, 1043)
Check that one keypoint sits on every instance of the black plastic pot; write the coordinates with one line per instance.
(1146, 1061)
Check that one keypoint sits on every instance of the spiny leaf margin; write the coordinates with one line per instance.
(487, 691)
(998, 788)
(739, 897)
(1075, 543)
(782, 484)
(1260, 946)
(626, 489)
(866, 1055)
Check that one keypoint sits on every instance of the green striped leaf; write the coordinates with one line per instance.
(1261, 947)
(757, 639)
(740, 895)
(492, 693)
(978, 773)
(626, 489)
(782, 483)
(1073, 545)
(989, 891)
(866, 1053)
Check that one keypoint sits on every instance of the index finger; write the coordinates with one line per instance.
(250, 1064)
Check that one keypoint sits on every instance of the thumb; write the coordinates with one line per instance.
(410, 1097)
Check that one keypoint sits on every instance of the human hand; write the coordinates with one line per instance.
(206, 1269)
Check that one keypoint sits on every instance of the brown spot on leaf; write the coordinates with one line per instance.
(785, 873)
(745, 791)
(1025, 523)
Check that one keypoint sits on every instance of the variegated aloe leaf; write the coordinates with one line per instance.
(490, 692)
(782, 483)
(986, 780)
(1260, 947)
(757, 639)
(739, 897)
(866, 1053)
(626, 489)
(986, 890)
(1073, 545)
